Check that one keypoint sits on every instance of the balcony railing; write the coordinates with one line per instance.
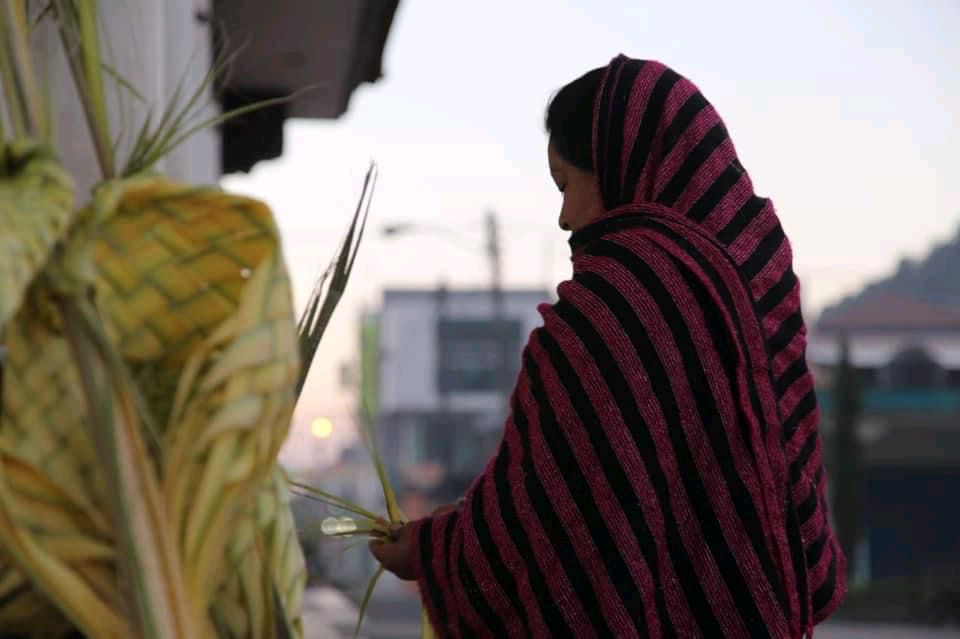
(876, 400)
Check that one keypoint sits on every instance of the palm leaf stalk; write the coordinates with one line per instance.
(323, 300)
(23, 98)
(149, 555)
(77, 22)
(332, 500)
(319, 309)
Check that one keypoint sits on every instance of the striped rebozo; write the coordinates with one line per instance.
(660, 473)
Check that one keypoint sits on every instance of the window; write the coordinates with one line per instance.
(470, 357)
(913, 368)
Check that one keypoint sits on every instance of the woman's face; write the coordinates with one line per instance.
(582, 203)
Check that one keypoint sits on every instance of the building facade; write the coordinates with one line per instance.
(445, 365)
(906, 352)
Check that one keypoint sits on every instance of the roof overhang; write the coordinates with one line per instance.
(324, 49)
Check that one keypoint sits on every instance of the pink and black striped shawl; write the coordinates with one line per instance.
(660, 473)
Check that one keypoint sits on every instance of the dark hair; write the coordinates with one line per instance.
(570, 119)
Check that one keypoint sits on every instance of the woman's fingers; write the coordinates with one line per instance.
(394, 552)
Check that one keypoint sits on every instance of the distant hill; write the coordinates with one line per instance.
(931, 284)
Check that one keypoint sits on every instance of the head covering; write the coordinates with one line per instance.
(658, 142)
(660, 473)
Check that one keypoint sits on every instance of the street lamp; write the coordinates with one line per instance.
(406, 228)
(397, 229)
(491, 245)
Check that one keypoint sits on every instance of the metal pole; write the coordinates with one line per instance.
(497, 302)
(493, 252)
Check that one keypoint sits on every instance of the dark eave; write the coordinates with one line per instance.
(323, 48)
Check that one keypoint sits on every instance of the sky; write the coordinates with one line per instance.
(843, 111)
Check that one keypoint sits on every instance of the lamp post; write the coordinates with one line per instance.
(497, 303)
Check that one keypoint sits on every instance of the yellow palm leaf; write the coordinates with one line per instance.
(49, 481)
(265, 545)
(25, 611)
(36, 200)
(195, 293)
(50, 485)
(150, 367)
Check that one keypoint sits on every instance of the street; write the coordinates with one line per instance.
(840, 630)
(328, 614)
(394, 614)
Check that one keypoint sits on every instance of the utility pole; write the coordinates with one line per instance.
(497, 302)
(493, 252)
(847, 465)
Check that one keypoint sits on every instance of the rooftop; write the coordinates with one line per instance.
(887, 310)
(922, 295)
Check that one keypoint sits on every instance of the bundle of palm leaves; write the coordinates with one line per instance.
(150, 366)
(150, 362)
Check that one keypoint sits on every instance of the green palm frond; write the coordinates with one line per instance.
(366, 600)
(324, 299)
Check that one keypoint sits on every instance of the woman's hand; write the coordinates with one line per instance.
(394, 552)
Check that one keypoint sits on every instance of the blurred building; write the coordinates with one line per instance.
(436, 383)
(904, 338)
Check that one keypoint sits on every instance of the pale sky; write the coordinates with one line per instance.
(844, 113)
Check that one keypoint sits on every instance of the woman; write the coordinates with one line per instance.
(660, 473)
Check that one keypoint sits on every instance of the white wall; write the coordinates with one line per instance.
(876, 350)
(187, 56)
(408, 346)
(153, 44)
